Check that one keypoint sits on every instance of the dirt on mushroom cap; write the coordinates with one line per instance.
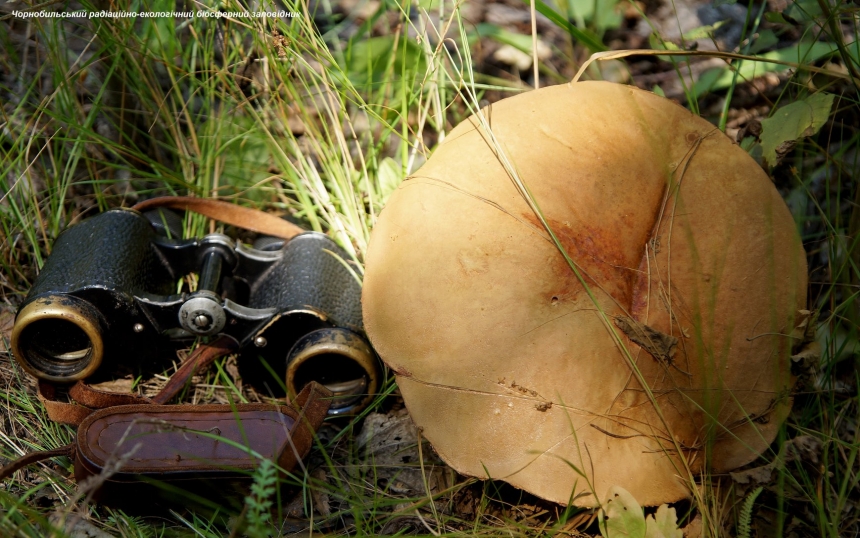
(512, 364)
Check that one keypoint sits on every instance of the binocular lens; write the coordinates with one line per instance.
(338, 373)
(341, 361)
(57, 338)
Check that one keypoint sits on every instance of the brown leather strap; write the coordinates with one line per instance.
(313, 403)
(228, 213)
(64, 413)
(202, 357)
(91, 398)
(34, 457)
(99, 399)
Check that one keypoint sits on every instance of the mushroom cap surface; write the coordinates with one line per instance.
(667, 354)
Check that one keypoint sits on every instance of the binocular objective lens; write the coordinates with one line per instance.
(339, 360)
(339, 374)
(58, 338)
(55, 344)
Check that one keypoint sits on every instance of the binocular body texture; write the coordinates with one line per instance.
(312, 272)
(108, 292)
(112, 251)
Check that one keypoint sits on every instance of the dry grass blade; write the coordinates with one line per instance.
(618, 54)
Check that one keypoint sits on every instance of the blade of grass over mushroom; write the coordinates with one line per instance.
(618, 54)
(522, 188)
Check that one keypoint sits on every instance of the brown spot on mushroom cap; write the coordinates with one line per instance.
(648, 200)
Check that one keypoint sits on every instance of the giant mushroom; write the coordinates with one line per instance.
(641, 342)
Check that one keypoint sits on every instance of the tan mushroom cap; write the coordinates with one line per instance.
(508, 364)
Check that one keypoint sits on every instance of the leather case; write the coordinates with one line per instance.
(192, 445)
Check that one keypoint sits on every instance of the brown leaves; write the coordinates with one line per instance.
(390, 444)
(806, 351)
(661, 346)
(804, 448)
(7, 321)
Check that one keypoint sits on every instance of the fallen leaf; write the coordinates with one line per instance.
(693, 528)
(806, 351)
(806, 360)
(804, 448)
(117, 385)
(621, 515)
(7, 321)
(74, 526)
(319, 495)
(663, 524)
(660, 346)
(756, 475)
(804, 331)
(390, 447)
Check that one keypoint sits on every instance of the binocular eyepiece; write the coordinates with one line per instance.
(108, 294)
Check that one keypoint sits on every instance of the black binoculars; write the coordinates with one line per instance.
(110, 291)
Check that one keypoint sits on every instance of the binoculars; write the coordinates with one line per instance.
(110, 292)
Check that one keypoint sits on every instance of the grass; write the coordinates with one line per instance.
(320, 118)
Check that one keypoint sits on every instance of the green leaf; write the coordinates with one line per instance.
(583, 36)
(502, 35)
(658, 43)
(765, 39)
(377, 62)
(663, 524)
(621, 516)
(776, 18)
(703, 32)
(244, 150)
(803, 10)
(792, 122)
(390, 175)
(805, 52)
(600, 14)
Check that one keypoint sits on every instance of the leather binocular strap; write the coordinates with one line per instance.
(228, 213)
(202, 357)
(34, 457)
(91, 398)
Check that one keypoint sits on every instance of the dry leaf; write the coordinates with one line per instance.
(806, 360)
(804, 331)
(806, 350)
(390, 444)
(117, 385)
(660, 346)
(804, 448)
(757, 475)
(319, 495)
(7, 321)
(76, 527)
(693, 528)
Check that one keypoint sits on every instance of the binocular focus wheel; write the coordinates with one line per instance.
(58, 338)
(341, 361)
